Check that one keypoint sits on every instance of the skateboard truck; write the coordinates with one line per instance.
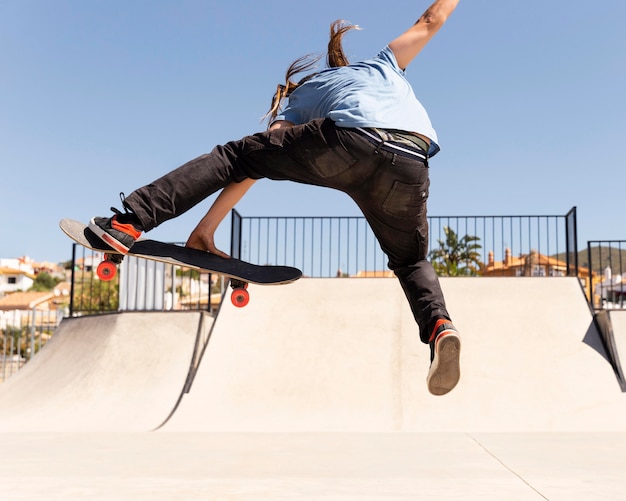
(240, 297)
(107, 269)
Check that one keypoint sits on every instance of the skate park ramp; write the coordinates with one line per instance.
(327, 355)
(114, 372)
(343, 355)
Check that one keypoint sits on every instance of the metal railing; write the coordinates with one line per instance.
(325, 247)
(606, 260)
(346, 246)
(23, 334)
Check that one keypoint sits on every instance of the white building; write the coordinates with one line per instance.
(16, 274)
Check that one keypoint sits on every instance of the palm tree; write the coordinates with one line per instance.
(456, 258)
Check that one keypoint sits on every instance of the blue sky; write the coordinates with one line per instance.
(103, 96)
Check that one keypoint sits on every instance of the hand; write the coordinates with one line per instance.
(201, 238)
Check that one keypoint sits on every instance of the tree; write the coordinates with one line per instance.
(456, 258)
(44, 282)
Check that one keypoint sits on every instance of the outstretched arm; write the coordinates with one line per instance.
(411, 42)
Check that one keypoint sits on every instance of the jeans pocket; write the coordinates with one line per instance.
(322, 160)
(406, 201)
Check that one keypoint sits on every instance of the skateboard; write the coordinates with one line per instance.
(239, 272)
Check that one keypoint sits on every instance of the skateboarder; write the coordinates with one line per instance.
(358, 128)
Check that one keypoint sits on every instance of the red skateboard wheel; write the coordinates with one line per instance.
(106, 271)
(240, 297)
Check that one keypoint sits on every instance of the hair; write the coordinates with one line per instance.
(335, 57)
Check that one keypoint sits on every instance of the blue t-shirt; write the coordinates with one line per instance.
(371, 93)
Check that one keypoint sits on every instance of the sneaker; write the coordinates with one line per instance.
(445, 351)
(119, 232)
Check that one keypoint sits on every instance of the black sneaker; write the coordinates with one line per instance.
(445, 351)
(119, 232)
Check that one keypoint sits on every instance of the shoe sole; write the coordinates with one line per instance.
(445, 370)
(107, 239)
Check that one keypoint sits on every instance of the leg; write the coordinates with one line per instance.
(308, 153)
(393, 198)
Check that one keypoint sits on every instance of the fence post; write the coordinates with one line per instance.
(571, 242)
(73, 280)
(591, 301)
(32, 333)
(235, 234)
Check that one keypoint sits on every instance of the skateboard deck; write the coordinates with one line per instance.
(240, 272)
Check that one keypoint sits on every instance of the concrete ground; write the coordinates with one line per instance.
(316, 391)
(318, 466)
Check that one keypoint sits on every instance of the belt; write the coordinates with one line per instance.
(399, 142)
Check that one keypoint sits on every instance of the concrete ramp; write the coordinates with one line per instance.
(320, 355)
(118, 372)
(344, 355)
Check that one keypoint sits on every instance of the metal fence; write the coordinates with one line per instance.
(346, 246)
(606, 260)
(23, 334)
(329, 247)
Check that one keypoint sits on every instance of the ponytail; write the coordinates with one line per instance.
(335, 57)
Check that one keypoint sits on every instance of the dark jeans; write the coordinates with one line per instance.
(390, 189)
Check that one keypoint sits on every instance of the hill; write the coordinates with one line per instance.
(601, 257)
